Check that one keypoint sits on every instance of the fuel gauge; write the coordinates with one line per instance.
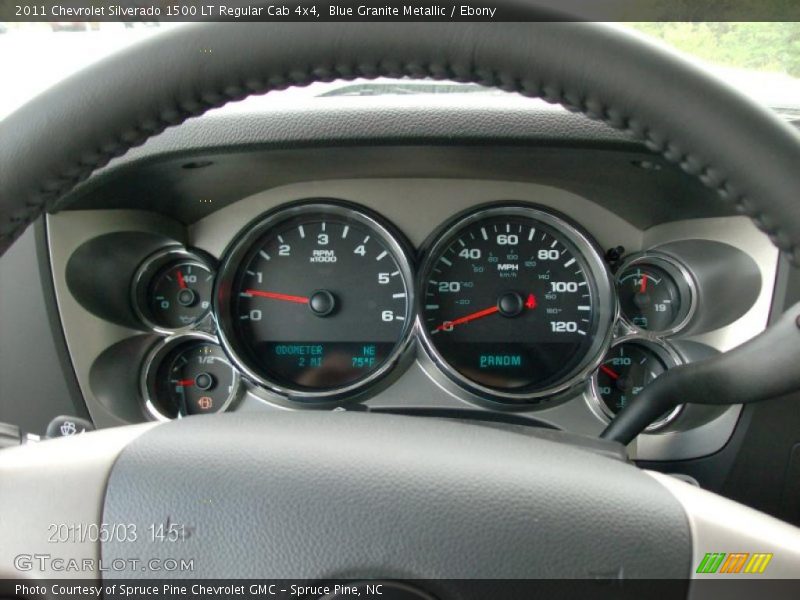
(188, 375)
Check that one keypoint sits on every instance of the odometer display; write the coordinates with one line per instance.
(510, 302)
(319, 300)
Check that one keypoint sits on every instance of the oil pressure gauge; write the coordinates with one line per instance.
(172, 290)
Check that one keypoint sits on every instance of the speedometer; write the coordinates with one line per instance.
(314, 301)
(515, 303)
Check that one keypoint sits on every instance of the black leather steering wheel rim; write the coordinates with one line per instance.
(733, 145)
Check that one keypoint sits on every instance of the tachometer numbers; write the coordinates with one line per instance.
(315, 301)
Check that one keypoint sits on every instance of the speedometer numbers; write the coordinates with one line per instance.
(316, 301)
(515, 304)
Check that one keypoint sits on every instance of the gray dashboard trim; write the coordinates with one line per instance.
(87, 335)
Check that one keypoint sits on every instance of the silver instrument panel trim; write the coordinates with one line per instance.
(417, 207)
(741, 233)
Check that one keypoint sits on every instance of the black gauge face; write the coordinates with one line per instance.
(510, 302)
(625, 371)
(179, 294)
(320, 301)
(649, 297)
(193, 378)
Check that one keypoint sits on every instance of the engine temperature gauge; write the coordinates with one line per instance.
(656, 294)
(188, 375)
(629, 366)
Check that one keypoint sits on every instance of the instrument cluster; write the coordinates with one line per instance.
(323, 302)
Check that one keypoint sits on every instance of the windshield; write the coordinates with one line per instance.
(760, 59)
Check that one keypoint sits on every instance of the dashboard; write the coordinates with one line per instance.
(485, 299)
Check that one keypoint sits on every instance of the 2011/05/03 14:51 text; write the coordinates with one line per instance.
(79, 533)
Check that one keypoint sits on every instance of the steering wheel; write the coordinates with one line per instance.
(351, 496)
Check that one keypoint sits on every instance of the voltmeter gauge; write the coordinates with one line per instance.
(656, 294)
(188, 375)
(172, 290)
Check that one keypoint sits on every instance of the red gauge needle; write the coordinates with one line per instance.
(185, 382)
(609, 372)
(470, 317)
(181, 280)
(643, 286)
(530, 303)
(276, 296)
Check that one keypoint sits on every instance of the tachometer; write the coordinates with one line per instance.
(315, 301)
(515, 303)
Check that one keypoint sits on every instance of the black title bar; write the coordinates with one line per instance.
(399, 10)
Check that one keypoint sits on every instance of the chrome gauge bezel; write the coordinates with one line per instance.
(152, 362)
(683, 278)
(663, 350)
(454, 382)
(296, 397)
(143, 277)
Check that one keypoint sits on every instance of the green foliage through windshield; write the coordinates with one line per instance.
(766, 46)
